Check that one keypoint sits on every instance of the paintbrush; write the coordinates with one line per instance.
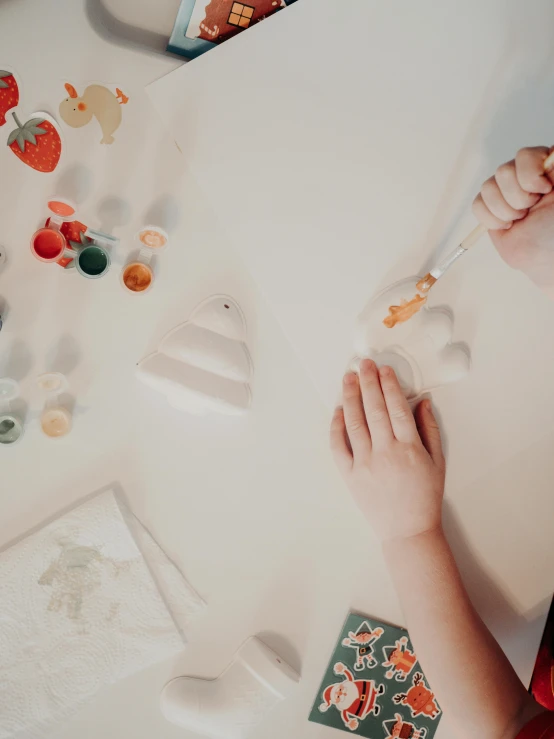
(408, 308)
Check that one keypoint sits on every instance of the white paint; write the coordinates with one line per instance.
(238, 700)
(204, 365)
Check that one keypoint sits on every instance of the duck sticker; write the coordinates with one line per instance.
(97, 102)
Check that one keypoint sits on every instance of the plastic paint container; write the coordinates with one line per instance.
(93, 262)
(137, 277)
(48, 245)
(11, 427)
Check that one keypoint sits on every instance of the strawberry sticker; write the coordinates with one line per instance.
(37, 143)
(9, 94)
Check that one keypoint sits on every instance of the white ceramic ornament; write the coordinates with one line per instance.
(420, 350)
(204, 366)
(235, 702)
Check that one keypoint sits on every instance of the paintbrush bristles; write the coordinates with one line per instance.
(426, 283)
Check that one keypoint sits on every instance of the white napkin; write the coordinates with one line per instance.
(85, 601)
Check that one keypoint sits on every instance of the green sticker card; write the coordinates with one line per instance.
(374, 686)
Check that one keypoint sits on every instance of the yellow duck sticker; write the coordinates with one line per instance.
(97, 102)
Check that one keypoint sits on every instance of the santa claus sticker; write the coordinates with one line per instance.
(373, 685)
(354, 699)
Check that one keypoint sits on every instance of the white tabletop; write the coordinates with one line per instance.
(258, 496)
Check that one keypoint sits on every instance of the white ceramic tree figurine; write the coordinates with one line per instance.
(204, 366)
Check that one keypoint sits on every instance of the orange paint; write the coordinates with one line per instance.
(137, 277)
(426, 283)
(60, 208)
(403, 312)
(152, 239)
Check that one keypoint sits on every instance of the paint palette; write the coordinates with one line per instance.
(71, 244)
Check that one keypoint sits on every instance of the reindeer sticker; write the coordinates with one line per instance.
(362, 641)
(400, 659)
(419, 699)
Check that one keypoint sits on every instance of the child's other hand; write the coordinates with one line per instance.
(392, 462)
(517, 206)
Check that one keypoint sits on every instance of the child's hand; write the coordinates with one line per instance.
(517, 205)
(392, 462)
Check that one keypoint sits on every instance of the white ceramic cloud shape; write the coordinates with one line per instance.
(203, 365)
(421, 350)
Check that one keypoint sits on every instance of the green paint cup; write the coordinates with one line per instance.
(92, 262)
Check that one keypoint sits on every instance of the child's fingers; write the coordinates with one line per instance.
(530, 170)
(401, 417)
(429, 432)
(483, 214)
(340, 446)
(497, 204)
(376, 413)
(511, 190)
(354, 416)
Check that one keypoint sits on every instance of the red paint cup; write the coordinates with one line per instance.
(48, 245)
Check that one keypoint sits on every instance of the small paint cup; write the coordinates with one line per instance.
(137, 277)
(11, 429)
(48, 245)
(92, 262)
(55, 422)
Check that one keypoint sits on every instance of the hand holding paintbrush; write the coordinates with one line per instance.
(517, 191)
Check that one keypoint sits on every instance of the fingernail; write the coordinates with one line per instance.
(350, 378)
(367, 365)
(508, 226)
(429, 405)
(385, 371)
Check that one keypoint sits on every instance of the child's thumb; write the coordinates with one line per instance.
(429, 431)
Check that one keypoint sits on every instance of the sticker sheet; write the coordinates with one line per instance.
(374, 686)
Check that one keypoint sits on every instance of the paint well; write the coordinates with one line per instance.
(10, 429)
(137, 277)
(153, 237)
(55, 422)
(93, 261)
(47, 244)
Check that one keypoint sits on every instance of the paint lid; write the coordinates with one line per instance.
(53, 382)
(61, 207)
(153, 238)
(9, 389)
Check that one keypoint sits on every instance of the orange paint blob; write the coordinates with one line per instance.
(426, 283)
(137, 277)
(60, 208)
(153, 239)
(403, 312)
